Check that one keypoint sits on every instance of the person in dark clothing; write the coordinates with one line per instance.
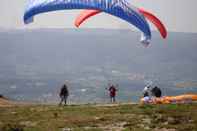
(64, 94)
(112, 92)
(156, 91)
(146, 94)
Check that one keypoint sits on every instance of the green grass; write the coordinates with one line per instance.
(98, 118)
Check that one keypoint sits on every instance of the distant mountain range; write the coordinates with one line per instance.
(35, 63)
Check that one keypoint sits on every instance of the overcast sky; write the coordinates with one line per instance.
(177, 15)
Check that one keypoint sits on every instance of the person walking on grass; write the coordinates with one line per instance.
(64, 95)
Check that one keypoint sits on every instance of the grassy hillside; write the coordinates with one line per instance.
(98, 118)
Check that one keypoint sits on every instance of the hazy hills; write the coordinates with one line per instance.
(34, 63)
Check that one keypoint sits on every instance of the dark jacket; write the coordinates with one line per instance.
(156, 91)
(64, 91)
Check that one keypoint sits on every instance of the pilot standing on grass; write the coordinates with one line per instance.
(64, 94)
(112, 92)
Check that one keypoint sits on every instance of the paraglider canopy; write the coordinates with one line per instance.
(85, 14)
(118, 8)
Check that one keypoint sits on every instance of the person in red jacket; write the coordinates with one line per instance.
(112, 92)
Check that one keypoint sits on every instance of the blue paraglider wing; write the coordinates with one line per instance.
(118, 8)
